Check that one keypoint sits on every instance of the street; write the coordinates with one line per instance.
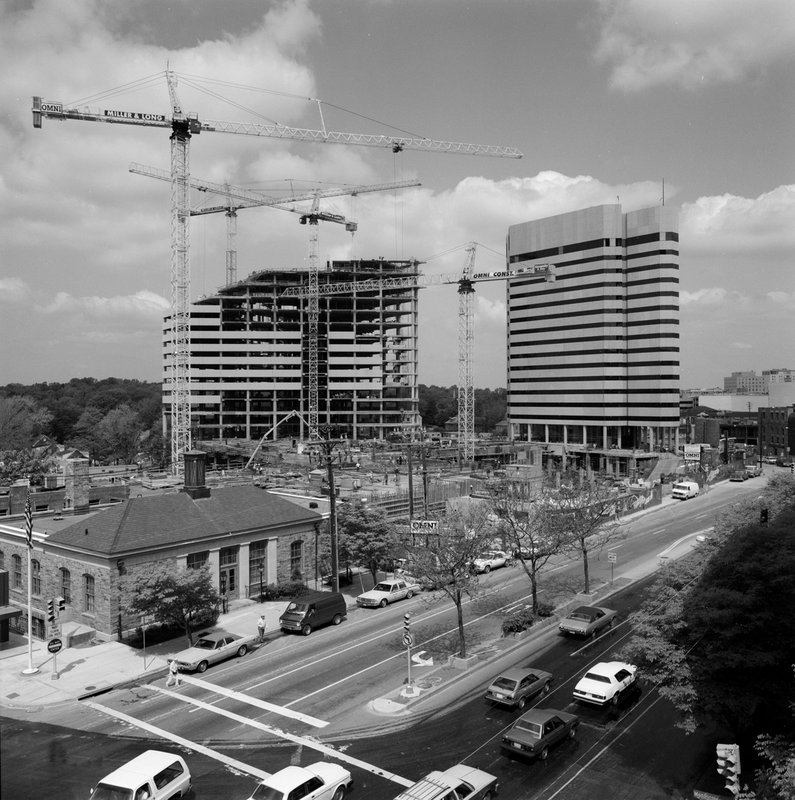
(299, 699)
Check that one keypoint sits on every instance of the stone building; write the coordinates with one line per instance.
(233, 530)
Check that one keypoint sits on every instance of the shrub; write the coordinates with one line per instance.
(278, 591)
(545, 609)
(518, 621)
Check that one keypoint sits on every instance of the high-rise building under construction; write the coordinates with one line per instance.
(593, 358)
(249, 353)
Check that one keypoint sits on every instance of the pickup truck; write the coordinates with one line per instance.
(386, 592)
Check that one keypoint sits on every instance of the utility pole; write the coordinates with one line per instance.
(326, 445)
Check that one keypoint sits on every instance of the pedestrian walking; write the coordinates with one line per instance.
(173, 674)
(261, 628)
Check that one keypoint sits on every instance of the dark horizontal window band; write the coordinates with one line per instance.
(605, 338)
(674, 401)
(651, 254)
(622, 365)
(608, 351)
(519, 337)
(651, 281)
(632, 241)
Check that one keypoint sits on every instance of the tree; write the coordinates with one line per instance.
(525, 529)
(172, 597)
(714, 636)
(446, 562)
(366, 537)
(21, 421)
(17, 464)
(118, 434)
(585, 519)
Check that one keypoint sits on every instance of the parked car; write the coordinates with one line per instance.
(460, 782)
(738, 475)
(587, 621)
(212, 647)
(490, 560)
(311, 610)
(770, 459)
(319, 781)
(386, 592)
(537, 730)
(514, 687)
(753, 472)
(605, 682)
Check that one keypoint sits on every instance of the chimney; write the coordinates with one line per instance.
(194, 475)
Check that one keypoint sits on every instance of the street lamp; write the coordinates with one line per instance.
(261, 573)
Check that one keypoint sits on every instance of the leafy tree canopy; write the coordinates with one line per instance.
(366, 537)
(171, 597)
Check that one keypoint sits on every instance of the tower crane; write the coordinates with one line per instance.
(183, 126)
(466, 322)
(250, 199)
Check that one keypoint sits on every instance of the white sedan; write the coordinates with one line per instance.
(319, 781)
(212, 647)
(605, 682)
(386, 592)
(490, 560)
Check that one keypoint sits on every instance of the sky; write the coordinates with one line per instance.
(629, 101)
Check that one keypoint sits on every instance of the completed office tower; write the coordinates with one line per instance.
(593, 358)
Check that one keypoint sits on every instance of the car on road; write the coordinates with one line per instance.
(212, 647)
(388, 591)
(537, 730)
(456, 783)
(605, 682)
(753, 472)
(492, 559)
(739, 475)
(514, 687)
(587, 621)
(319, 781)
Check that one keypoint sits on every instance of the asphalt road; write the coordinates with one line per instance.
(298, 696)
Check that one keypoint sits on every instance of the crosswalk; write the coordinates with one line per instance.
(215, 693)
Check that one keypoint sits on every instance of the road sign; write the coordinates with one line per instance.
(408, 640)
(54, 645)
(612, 557)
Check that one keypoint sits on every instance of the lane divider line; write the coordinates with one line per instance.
(195, 746)
(253, 701)
(302, 740)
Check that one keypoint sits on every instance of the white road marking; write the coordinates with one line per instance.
(253, 701)
(195, 746)
(301, 740)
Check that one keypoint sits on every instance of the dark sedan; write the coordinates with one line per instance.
(537, 730)
(516, 686)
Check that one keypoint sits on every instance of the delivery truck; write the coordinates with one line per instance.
(682, 490)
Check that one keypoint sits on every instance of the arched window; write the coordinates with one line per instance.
(66, 585)
(35, 571)
(88, 594)
(16, 562)
(296, 558)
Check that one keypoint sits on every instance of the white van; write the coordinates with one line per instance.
(684, 489)
(154, 775)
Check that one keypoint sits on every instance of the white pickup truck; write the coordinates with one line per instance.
(386, 592)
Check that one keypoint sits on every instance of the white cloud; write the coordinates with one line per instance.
(693, 44)
(13, 291)
(142, 304)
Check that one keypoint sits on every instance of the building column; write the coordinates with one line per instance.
(245, 568)
(214, 562)
(272, 561)
(546, 434)
(604, 437)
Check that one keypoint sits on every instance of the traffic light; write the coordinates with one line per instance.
(729, 766)
(51, 610)
(763, 516)
(407, 623)
(61, 604)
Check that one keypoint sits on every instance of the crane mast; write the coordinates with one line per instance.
(184, 125)
(466, 383)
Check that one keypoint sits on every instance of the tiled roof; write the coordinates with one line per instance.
(147, 522)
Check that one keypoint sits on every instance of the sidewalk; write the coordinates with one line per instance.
(97, 668)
